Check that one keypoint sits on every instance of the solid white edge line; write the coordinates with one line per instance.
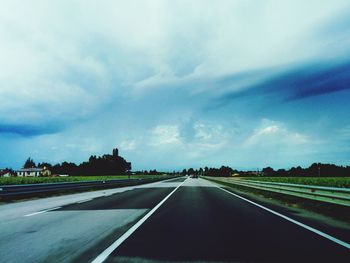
(314, 230)
(43, 211)
(103, 256)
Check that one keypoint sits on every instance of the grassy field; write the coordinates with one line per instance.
(322, 181)
(37, 180)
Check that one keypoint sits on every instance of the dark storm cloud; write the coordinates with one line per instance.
(28, 130)
(295, 84)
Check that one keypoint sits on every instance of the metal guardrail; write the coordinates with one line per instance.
(24, 190)
(335, 195)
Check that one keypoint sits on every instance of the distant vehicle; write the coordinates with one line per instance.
(194, 176)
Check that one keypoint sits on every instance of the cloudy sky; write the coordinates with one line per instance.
(175, 84)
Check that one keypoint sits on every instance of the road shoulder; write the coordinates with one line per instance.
(312, 213)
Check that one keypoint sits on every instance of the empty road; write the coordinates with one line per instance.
(179, 220)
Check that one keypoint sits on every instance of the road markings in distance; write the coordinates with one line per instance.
(314, 230)
(103, 256)
(43, 211)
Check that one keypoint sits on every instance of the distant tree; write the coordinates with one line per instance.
(201, 171)
(42, 165)
(314, 170)
(268, 171)
(154, 172)
(29, 163)
(223, 171)
(190, 171)
(281, 172)
(296, 171)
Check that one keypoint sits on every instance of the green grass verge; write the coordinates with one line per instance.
(38, 180)
(321, 181)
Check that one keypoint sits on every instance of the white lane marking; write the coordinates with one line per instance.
(103, 256)
(83, 201)
(314, 230)
(43, 211)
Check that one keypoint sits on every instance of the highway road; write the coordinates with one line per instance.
(178, 220)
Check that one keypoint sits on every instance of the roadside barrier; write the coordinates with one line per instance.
(335, 195)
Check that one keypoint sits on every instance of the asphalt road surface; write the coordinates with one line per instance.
(179, 220)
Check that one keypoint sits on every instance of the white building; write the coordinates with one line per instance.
(34, 172)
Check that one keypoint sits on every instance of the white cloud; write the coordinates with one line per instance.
(128, 145)
(165, 135)
(272, 133)
(207, 139)
(83, 62)
(201, 131)
(67, 60)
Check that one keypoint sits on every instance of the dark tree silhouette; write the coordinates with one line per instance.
(29, 163)
(268, 171)
(190, 171)
(222, 171)
(42, 165)
(96, 165)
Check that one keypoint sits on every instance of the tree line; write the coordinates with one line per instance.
(116, 165)
(106, 164)
(314, 170)
(219, 172)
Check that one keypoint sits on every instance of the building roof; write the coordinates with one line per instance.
(30, 170)
(4, 171)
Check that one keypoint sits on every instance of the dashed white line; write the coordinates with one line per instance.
(103, 256)
(43, 211)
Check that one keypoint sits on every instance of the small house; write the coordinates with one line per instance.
(33, 172)
(5, 173)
